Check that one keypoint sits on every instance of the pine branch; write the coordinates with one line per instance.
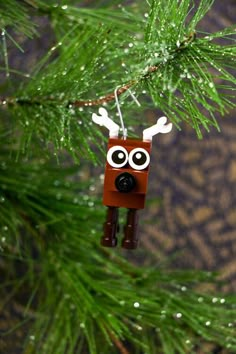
(106, 99)
(178, 67)
(87, 296)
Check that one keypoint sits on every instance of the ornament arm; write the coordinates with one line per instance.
(159, 127)
(107, 122)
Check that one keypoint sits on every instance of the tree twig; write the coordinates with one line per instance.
(107, 98)
(118, 343)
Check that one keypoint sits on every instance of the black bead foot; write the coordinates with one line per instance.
(129, 244)
(108, 242)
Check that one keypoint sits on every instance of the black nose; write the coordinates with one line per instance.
(125, 182)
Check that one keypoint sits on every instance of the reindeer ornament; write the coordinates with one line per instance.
(126, 177)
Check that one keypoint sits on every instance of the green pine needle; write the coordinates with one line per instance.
(93, 58)
(87, 296)
(14, 13)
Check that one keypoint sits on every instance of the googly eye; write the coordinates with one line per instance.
(139, 159)
(117, 156)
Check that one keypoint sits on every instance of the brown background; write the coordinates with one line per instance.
(197, 181)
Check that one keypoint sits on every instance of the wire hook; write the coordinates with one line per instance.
(124, 130)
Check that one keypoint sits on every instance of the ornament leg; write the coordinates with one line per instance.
(110, 227)
(130, 240)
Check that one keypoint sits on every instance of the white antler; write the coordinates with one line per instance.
(159, 127)
(107, 122)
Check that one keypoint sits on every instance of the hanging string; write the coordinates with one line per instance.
(124, 130)
(134, 98)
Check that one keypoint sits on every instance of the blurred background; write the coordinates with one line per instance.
(196, 181)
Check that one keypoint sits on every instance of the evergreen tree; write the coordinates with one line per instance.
(81, 297)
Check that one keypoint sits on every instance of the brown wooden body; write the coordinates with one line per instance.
(136, 198)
